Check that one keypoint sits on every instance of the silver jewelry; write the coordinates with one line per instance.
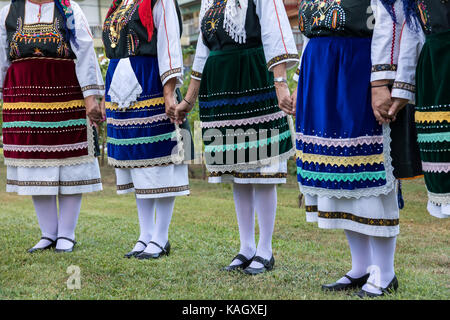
(280, 79)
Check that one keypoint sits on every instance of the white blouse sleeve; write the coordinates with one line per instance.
(4, 61)
(87, 67)
(170, 55)
(386, 41)
(201, 55)
(305, 43)
(410, 46)
(276, 33)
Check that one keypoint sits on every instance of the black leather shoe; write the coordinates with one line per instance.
(354, 284)
(392, 287)
(66, 250)
(48, 247)
(164, 252)
(132, 254)
(267, 266)
(245, 263)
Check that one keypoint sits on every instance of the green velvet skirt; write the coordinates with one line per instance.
(433, 115)
(243, 127)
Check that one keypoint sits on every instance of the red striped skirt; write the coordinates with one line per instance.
(44, 115)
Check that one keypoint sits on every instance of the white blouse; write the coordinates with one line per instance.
(394, 53)
(86, 65)
(170, 55)
(276, 35)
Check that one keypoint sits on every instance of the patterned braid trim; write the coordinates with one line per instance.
(167, 74)
(404, 86)
(362, 220)
(384, 67)
(281, 58)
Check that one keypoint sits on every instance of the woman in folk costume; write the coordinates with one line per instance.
(343, 157)
(431, 28)
(50, 80)
(142, 39)
(239, 72)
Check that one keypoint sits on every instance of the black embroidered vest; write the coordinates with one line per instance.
(124, 35)
(216, 38)
(331, 18)
(434, 15)
(37, 39)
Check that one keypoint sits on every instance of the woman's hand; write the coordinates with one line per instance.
(93, 110)
(397, 105)
(294, 101)
(183, 108)
(381, 102)
(284, 98)
(169, 99)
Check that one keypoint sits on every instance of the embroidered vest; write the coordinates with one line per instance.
(434, 15)
(125, 36)
(331, 18)
(215, 36)
(37, 39)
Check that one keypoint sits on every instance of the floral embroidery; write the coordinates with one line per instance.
(326, 14)
(384, 67)
(196, 75)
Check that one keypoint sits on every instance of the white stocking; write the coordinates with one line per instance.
(146, 214)
(245, 212)
(164, 211)
(47, 214)
(69, 210)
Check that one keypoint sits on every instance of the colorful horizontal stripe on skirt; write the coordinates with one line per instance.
(242, 125)
(44, 116)
(433, 115)
(142, 134)
(341, 149)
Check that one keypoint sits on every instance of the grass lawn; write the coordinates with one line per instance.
(204, 237)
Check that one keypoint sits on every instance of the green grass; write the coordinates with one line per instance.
(204, 238)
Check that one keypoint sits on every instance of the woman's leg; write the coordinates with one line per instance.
(164, 211)
(266, 208)
(382, 273)
(146, 215)
(69, 210)
(361, 252)
(47, 214)
(245, 212)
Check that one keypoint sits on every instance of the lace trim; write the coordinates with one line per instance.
(347, 142)
(340, 161)
(436, 167)
(433, 137)
(40, 163)
(243, 122)
(42, 148)
(239, 101)
(167, 74)
(384, 67)
(280, 58)
(260, 163)
(43, 105)
(358, 193)
(249, 144)
(177, 158)
(141, 140)
(439, 198)
(137, 121)
(438, 116)
(138, 104)
(404, 86)
(37, 124)
(332, 176)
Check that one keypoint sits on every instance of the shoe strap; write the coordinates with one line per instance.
(68, 239)
(142, 242)
(156, 244)
(375, 286)
(241, 258)
(264, 262)
(48, 239)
